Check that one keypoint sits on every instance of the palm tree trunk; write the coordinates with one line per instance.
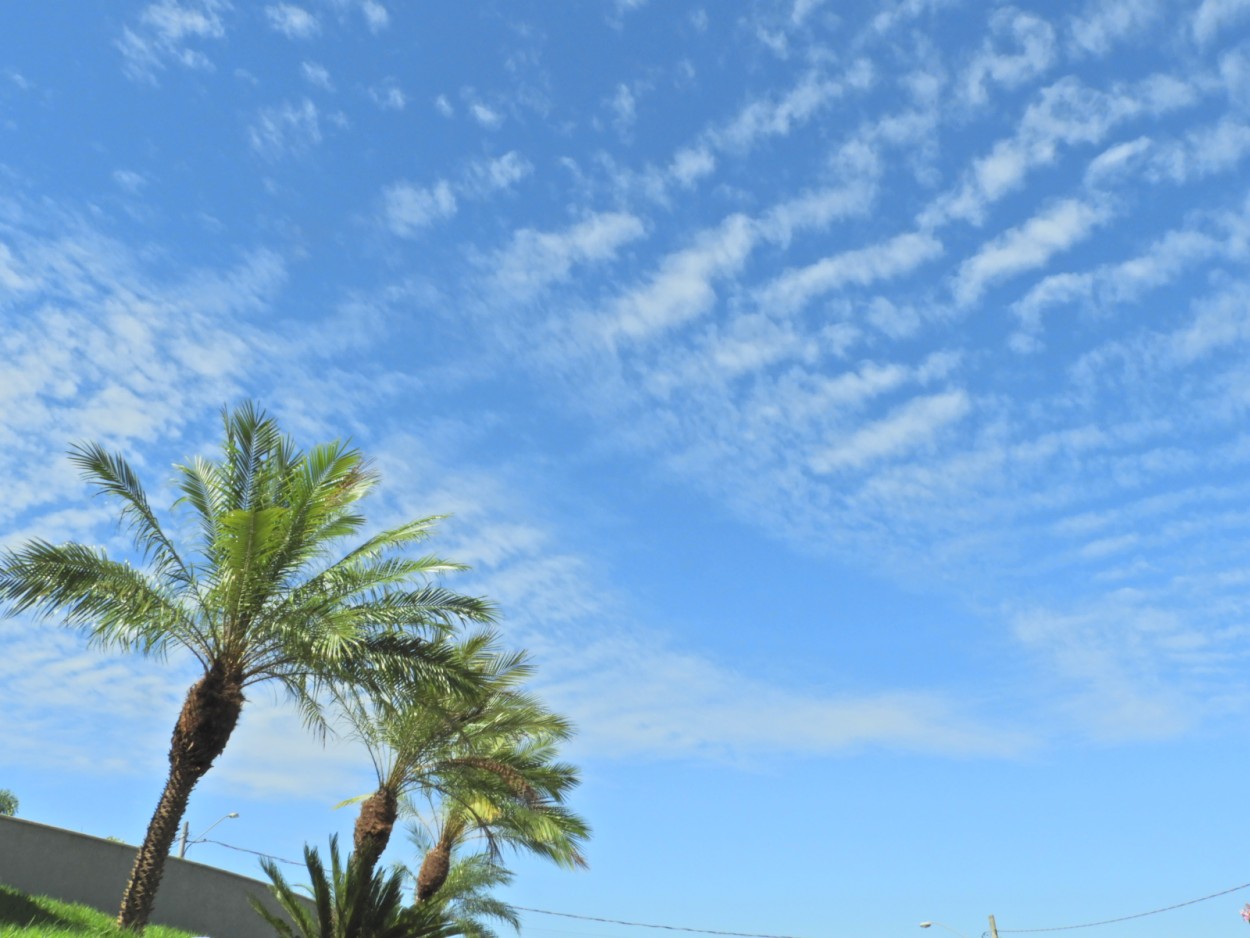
(209, 715)
(373, 827)
(434, 869)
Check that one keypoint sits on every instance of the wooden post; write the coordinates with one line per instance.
(993, 928)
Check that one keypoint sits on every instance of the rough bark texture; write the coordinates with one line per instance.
(434, 870)
(373, 827)
(209, 715)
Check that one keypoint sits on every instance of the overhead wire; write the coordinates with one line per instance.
(1124, 918)
(267, 856)
(614, 921)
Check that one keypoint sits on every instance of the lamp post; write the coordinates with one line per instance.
(186, 829)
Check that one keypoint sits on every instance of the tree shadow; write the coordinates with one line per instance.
(17, 909)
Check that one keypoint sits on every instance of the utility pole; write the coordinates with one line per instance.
(186, 830)
(993, 928)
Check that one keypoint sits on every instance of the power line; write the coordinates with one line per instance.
(1125, 918)
(614, 921)
(267, 856)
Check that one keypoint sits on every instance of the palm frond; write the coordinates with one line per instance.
(350, 902)
(116, 604)
(111, 475)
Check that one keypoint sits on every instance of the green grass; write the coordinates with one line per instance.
(41, 917)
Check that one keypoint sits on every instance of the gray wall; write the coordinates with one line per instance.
(51, 861)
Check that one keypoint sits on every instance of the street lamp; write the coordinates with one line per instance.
(186, 828)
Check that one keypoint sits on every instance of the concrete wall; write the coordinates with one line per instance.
(51, 861)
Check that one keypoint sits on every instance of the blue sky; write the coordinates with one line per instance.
(845, 402)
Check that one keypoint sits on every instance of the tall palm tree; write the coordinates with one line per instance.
(492, 750)
(263, 592)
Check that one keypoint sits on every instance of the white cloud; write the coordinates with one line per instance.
(1235, 73)
(892, 14)
(164, 33)
(76, 709)
(1203, 151)
(1215, 15)
(11, 276)
(1027, 246)
(376, 15)
(443, 106)
(484, 177)
(129, 180)
(631, 698)
(750, 343)
(1116, 160)
(682, 288)
(912, 426)
(690, 164)
(1033, 37)
(1125, 281)
(1067, 113)
(757, 120)
(802, 9)
(273, 755)
(96, 348)
(777, 117)
(1103, 23)
(285, 130)
(1219, 321)
(1116, 654)
(534, 260)
(797, 287)
(487, 117)
(409, 209)
(388, 96)
(292, 21)
(817, 209)
(624, 109)
(316, 74)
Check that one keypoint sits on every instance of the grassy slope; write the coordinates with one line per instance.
(40, 917)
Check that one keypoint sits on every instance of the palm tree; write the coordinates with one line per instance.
(493, 752)
(542, 827)
(465, 896)
(263, 592)
(349, 902)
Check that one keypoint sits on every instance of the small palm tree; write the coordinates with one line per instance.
(492, 751)
(465, 897)
(263, 592)
(544, 828)
(349, 902)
